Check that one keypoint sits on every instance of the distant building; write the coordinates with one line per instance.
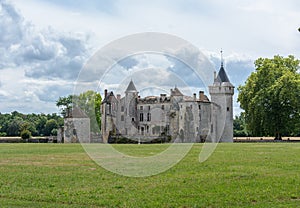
(76, 127)
(179, 117)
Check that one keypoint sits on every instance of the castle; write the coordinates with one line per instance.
(178, 117)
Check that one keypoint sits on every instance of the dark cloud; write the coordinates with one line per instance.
(10, 25)
(192, 66)
(44, 53)
(186, 73)
(128, 62)
(53, 92)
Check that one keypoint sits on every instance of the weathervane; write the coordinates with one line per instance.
(221, 57)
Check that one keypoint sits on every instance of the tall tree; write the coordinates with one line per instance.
(65, 104)
(50, 125)
(271, 97)
(88, 101)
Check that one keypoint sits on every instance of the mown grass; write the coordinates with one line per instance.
(236, 175)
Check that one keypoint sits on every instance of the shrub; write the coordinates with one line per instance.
(54, 132)
(25, 134)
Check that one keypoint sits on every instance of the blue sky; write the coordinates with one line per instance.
(45, 43)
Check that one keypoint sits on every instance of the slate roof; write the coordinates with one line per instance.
(222, 76)
(76, 112)
(107, 98)
(176, 92)
(131, 87)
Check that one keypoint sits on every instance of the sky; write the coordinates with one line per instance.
(44, 44)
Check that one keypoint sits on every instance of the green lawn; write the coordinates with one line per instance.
(236, 175)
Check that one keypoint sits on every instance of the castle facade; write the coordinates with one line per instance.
(176, 116)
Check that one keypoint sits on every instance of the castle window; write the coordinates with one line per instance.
(168, 129)
(229, 88)
(211, 128)
(162, 107)
(147, 127)
(132, 119)
(191, 107)
(142, 130)
(141, 108)
(227, 108)
(122, 108)
(149, 107)
(148, 116)
(122, 117)
(141, 117)
(220, 88)
(199, 107)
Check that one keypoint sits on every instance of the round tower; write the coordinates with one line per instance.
(131, 95)
(221, 93)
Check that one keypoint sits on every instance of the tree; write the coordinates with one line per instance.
(65, 104)
(28, 126)
(239, 126)
(271, 97)
(12, 124)
(14, 127)
(50, 125)
(89, 102)
(25, 134)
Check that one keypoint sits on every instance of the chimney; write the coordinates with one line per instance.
(215, 75)
(118, 97)
(195, 98)
(105, 93)
(201, 95)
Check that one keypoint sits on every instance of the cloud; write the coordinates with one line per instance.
(46, 53)
(37, 65)
(38, 56)
(10, 24)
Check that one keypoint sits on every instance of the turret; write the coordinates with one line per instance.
(221, 93)
(131, 96)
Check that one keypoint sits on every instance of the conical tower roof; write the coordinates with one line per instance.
(131, 87)
(222, 76)
(176, 92)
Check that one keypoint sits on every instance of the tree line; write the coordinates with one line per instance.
(14, 123)
(270, 99)
(27, 125)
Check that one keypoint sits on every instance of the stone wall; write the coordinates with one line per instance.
(77, 130)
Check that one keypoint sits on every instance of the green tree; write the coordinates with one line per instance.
(239, 126)
(50, 125)
(26, 125)
(14, 127)
(89, 102)
(271, 97)
(11, 124)
(65, 104)
(25, 134)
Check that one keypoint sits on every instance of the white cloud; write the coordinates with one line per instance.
(53, 40)
(30, 57)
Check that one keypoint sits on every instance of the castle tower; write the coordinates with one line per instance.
(221, 93)
(130, 107)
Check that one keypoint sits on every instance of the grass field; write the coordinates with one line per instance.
(236, 175)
